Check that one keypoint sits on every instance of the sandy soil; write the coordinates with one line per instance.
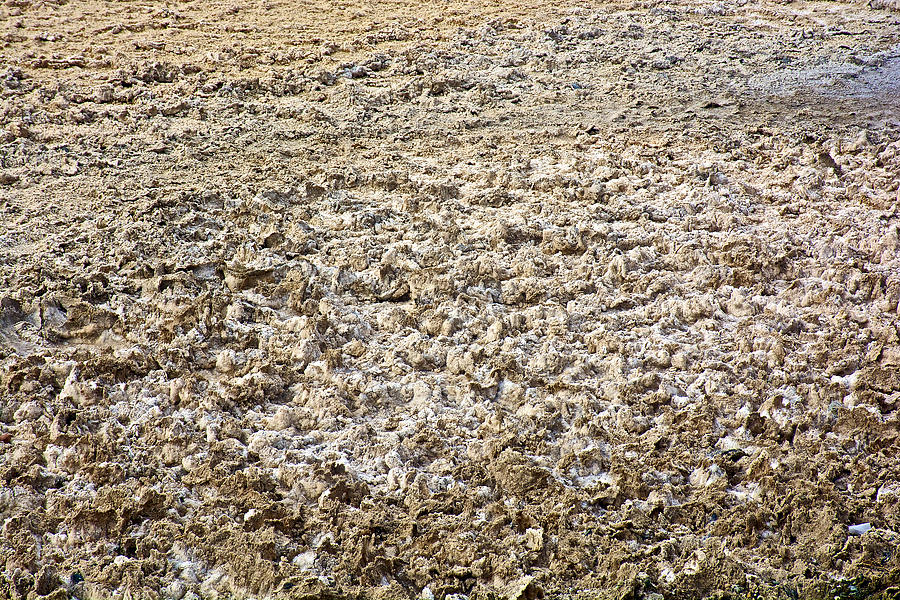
(310, 300)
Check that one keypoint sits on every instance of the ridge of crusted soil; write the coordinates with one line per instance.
(457, 301)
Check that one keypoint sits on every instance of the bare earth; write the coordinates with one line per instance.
(579, 299)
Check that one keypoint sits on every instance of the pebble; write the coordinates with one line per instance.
(859, 529)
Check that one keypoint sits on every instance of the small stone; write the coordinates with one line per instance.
(358, 72)
(859, 529)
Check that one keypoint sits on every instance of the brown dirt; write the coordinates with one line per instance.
(407, 300)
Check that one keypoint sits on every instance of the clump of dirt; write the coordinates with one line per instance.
(449, 302)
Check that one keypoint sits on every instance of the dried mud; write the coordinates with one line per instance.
(401, 300)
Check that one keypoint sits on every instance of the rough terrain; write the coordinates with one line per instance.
(410, 300)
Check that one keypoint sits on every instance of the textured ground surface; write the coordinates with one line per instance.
(411, 299)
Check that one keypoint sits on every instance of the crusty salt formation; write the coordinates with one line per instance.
(414, 301)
